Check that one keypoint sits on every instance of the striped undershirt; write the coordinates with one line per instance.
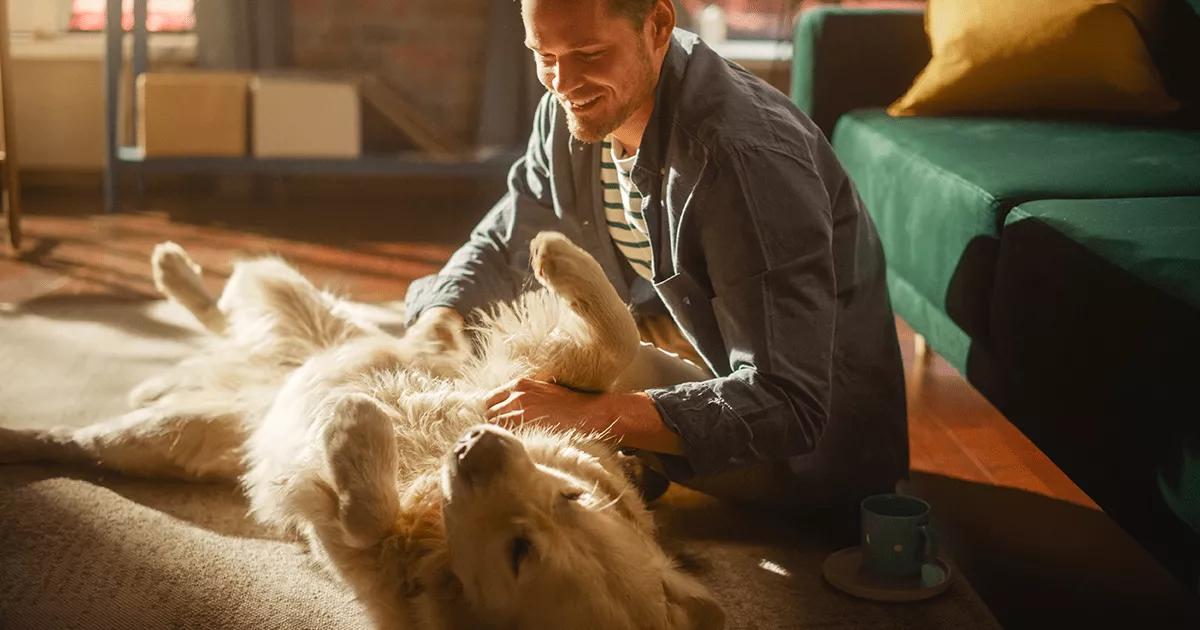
(623, 207)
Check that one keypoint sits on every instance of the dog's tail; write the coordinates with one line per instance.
(178, 277)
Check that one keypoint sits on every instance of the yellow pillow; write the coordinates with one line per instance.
(1011, 56)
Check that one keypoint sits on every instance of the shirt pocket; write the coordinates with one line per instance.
(781, 321)
(690, 305)
(743, 322)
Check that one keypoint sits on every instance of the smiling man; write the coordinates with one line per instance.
(703, 190)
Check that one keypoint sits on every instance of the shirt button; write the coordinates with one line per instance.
(586, 223)
(687, 301)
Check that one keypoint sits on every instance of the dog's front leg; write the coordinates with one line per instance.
(358, 530)
(610, 339)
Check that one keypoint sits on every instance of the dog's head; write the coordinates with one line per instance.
(543, 533)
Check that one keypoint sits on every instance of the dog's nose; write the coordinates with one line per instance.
(483, 451)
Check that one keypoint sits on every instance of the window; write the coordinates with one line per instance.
(744, 19)
(161, 15)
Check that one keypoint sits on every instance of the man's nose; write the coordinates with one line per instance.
(567, 77)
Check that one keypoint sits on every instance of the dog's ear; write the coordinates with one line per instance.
(689, 605)
(360, 451)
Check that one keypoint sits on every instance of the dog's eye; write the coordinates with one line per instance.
(517, 550)
(572, 495)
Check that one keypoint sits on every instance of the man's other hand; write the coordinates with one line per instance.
(442, 328)
(438, 341)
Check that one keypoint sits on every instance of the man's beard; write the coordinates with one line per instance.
(596, 130)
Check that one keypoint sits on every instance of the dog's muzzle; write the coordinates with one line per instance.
(482, 452)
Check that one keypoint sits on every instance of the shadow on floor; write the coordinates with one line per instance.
(1044, 563)
(113, 312)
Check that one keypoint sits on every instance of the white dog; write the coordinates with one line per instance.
(372, 449)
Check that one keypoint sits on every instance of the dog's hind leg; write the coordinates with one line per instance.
(610, 339)
(154, 441)
(268, 301)
(264, 300)
(178, 278)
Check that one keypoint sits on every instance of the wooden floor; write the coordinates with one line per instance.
(1032, 543)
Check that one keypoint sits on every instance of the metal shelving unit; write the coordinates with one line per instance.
(507, 102)
(10, 196)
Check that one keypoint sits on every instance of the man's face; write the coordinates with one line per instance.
(597, 63)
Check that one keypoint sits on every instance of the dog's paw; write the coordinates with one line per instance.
(563, 267)
(173, 268)
(178, 277)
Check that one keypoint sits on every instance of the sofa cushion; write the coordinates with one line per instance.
(939, 188)
(1066, 56)
(1156, 240)
(1096, 320)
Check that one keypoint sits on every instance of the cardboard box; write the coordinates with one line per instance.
(306, 118)
(192, 114)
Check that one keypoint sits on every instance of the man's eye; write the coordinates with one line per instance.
(592, 56)
(518, 549)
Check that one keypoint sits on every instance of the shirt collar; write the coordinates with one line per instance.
(652, 152)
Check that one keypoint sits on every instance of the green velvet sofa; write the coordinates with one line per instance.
(1054, 263)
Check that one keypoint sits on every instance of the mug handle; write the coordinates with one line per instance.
(931, 544)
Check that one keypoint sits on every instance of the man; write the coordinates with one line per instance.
(698, 187)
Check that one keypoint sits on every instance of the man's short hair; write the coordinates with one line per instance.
(635, 10)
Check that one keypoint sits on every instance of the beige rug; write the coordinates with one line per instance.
(81, 548)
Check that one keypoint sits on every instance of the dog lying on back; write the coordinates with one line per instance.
(372, 450)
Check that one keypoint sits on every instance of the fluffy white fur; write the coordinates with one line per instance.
(371, 449)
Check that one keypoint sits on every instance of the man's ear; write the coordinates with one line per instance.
(662, 22)
(689, 605)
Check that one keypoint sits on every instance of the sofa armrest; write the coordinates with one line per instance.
(847, 57)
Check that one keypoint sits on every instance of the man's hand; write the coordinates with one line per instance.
(442, 328)
(528, 400)
(631, 418)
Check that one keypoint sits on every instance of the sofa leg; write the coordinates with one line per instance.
(921, 349)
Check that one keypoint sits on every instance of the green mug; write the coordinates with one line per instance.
(896, 538)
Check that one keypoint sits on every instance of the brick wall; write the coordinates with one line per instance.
(430, 51)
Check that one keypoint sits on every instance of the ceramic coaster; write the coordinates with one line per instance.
(843, 569)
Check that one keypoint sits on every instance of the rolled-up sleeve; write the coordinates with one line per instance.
(768, 254)
(492, 264)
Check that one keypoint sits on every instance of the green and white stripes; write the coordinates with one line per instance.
(623, 208)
